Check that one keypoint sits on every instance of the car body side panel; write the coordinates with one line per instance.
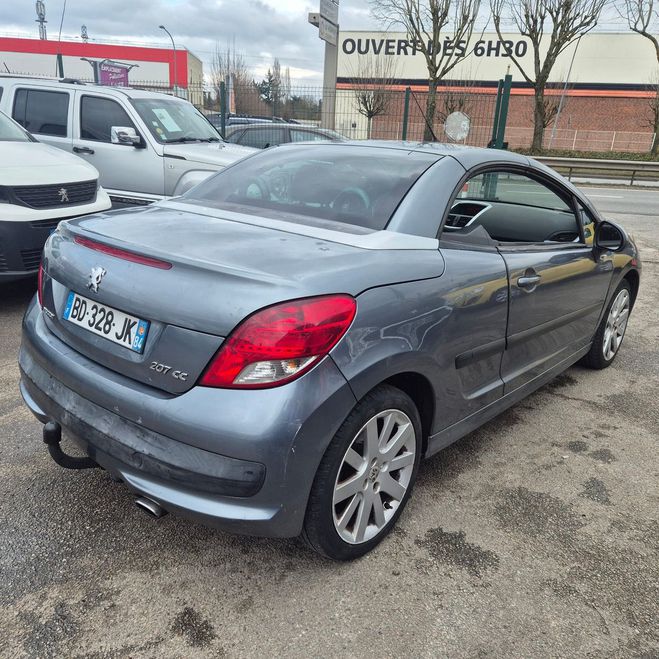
(422, 209)
(450, 329)
(557, 317)
(452, 433)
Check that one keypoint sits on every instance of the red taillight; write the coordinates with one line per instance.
(123, 253)
(280, 343)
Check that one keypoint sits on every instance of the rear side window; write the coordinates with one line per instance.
(307, 136)
(42, 112)
(515, 208)
(98, 115)
(261, 138)
(235, 136)
(512, 188)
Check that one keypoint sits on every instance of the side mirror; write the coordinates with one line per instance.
(125, 135)
(609, 237)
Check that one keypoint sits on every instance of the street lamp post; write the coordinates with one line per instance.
(162, 27)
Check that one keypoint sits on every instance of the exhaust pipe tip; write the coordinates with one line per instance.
(150, 507)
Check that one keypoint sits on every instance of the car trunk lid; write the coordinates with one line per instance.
(218, 272)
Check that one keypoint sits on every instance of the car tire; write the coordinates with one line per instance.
(611, 331)
(365, 477)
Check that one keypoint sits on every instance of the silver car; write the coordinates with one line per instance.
(274, 352)
(145, 145)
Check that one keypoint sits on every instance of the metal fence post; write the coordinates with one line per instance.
(497, 111)
(223, 107)
(503, 114)
(59, 62)
(406, 112)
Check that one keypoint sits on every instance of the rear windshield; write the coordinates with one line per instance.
(354, 185)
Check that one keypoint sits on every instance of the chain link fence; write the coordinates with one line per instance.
(363, 111)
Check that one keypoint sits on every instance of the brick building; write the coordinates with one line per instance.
(607, 81)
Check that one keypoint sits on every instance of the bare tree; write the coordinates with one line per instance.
(286, 84)
(371, 84)
(643, 18)
(228, 64)
(551, 26)
(456, 96)
(426, 23)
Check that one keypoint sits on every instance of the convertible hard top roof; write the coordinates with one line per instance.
(467, 156)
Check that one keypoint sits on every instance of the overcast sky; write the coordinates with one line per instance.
(262, 29)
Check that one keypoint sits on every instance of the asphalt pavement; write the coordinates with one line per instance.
(535, 536)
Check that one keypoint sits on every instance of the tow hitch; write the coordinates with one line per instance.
(52, 436)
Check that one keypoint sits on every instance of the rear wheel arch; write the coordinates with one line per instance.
(421, 391)
(634, 281)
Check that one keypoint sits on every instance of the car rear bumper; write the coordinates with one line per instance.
(254, 480)
(140, 450)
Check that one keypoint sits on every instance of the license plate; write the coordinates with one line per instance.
(112, 324)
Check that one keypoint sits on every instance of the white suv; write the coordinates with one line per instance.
(146, 145)
(39, 186)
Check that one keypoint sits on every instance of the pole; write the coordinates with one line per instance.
(497, 111)
(162, 27)
(503, 115)
(327, 115)
(560, 103)
(223, 107)
(406, 112)
(60, 65)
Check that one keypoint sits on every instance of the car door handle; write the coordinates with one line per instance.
(83, 149)
(528, 281)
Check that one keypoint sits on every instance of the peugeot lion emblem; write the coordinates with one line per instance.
(95, 277)
(63, 195)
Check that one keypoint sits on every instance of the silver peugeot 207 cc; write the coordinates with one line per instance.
(275, 351)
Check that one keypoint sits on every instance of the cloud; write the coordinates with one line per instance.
(260, 29)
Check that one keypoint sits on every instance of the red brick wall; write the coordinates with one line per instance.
(588, 123)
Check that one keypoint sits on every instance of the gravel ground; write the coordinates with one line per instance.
(536, 536)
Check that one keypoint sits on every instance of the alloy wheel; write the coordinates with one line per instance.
(374, 476)
(616, 324)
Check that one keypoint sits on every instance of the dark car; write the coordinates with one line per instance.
(275, 351)
(261, 136)
(243, 119)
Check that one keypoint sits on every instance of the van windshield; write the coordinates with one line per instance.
(173, 121)
(12, 132)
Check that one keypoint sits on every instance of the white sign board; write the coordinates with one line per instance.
(328, 31)
(329, 9)
(457, 126)
(602, 58)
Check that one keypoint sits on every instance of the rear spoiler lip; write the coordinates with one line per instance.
(120, 253)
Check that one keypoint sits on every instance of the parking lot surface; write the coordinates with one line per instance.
(536, 536)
